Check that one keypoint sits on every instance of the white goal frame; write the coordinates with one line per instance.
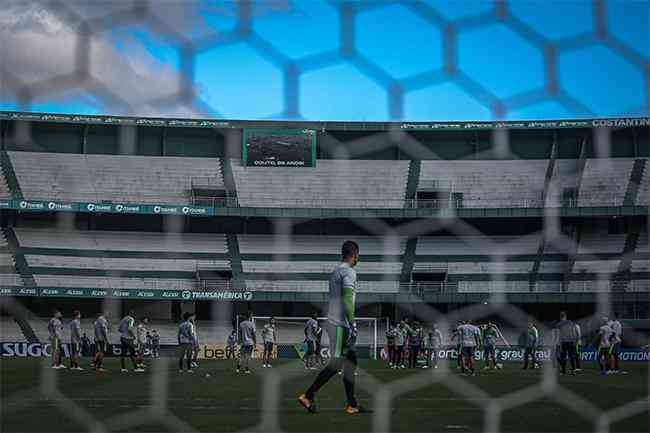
(371, 320)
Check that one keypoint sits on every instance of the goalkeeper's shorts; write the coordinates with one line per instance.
(341, 341)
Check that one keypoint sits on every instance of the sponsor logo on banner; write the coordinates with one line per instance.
(32, 205)
(50, 292)
(174, 295)
(98, 293)
(218, 351)
(123, 208)
(167, 209)
(221, 295)
(96, 207)
(60, 206)
(74, 292)
(121, 293)
(144, 294)
(186, 294)
(192, 210)
(28, 292)
(5, 203)
(5, 291)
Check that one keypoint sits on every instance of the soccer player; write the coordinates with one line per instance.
(310, 338)
(604, 346)
(141, 339)
(127, 342)
(578, 347)
(390, 344)
(456, 337)
(186, 342)
(532, 338)
(230, 345)
(101, 341)
(490, 338)
(269, 339)
(567, 337)
(470, 337)
(248, 343)
(342, 332)
(55, 329)
(195, 347)
(617, 333)
(415, 342)
(155, 337)
(433, 345)
(400, 340)
(75, 341)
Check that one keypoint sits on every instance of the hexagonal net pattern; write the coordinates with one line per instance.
(398, 84)
(380, 60)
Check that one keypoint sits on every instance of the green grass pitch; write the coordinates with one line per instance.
(225, 401)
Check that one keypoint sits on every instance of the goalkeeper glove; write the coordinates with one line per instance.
(352, 337)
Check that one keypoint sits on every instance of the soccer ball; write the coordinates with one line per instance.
(499, 366)
(207, 374)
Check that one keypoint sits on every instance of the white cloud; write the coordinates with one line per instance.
(40, 45)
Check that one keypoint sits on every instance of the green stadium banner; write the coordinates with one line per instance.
(623, 122)
(107, 207)
(159, 294)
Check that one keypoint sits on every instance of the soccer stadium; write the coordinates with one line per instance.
(174, 270)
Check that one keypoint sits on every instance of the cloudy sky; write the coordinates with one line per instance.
(310, 59)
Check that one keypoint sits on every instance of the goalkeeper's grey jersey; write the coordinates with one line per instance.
(310, 329)
(186, 334)
(268, 334)
(101, 329)
(566, 331)
(247, 330)
(342, 276)
(55, 328)
(75, 331)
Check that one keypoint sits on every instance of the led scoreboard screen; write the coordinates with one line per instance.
(279, 148)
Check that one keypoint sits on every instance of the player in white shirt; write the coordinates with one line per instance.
(269, 337)
(617, 333)
(578, 347)
(604, 346)
(470, 337)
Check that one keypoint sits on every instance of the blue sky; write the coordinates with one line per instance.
(373, 60)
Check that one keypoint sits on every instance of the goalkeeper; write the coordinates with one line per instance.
(342, 332)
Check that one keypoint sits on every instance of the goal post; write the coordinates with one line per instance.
(290, 330)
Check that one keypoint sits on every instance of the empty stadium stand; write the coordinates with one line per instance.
(643, 194)
(118, 178)
(604, 181)
(107, 259)
(486, 184)
(332, 183)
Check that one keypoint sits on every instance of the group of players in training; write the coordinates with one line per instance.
(341, 328)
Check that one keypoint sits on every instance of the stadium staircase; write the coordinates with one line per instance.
(235, 261)
(9, 175)
(623, 275)
(408, 259)
(550, 169)
(639, 168)
(582, 162)
(19, 259)
(571, 256)
(412, 184)
(229, 181)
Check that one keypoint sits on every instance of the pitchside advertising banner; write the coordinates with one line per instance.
(288, 351)
(116, 208)
(158, 294)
